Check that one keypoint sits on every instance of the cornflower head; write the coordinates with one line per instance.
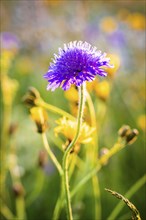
(75, 63)
(68, 129)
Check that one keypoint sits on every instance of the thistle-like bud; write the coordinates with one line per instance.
(131, 138)
(31, 96)
(18, 189)
(124, 130)
(128, 134)
(40, 117)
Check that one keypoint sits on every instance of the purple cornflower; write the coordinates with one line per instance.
(76, 62)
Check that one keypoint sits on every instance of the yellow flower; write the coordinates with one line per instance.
(108, 24)
(137, 21)
(141, 121)
(40, 117)
(103, 90)
(74, 108)
(115, 60)
(72, 94)
(24, 65)
(91, 85)
(68, 129)
(9, 88)
(6, 59)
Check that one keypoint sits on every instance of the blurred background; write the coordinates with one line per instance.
(31, 32)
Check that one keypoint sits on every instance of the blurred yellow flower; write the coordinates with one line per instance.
(72, 94)
(6, 59)
(141, 121)
(68, 129)
(108, 24)
(74, 108)
(24, 65)
(91, 85)
(103, 90)
(40, 117)
(115, 60)
(137, 21)
(9, 88)
(51, 2)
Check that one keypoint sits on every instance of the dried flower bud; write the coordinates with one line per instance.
(31, 96)
(39, 115)
(42, 158)
(124, 130)
(131, 138)
(13, 128)
(18, 189)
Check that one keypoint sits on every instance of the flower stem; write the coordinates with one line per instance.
(40, 102)
(94, 155)
(6, 212)
(82, 90)
(59, 203)
(103, 160)
(20, 207)
(52, 156)
(37, 188)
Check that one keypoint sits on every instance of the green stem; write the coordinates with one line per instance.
(59, 203)
(6, 212)
(39, 182)
(20, 207)
(103, 160)
(128, 195)
(51, 154)
(94, 155)
(40, 102)
(67, 152)
(85, 179)
(4, 147)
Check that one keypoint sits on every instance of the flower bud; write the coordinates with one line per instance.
(12, 128)
(18, 189)
(131, 137)
(104, 151)
(31, 96)
(42, 158)
(128, 134)
(125, 129)
(40, 117)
